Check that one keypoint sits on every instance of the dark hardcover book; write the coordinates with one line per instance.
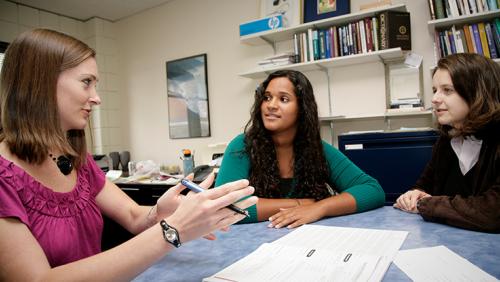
(369, 32)
(322, 44)
(496, 35)
(439, 9)
(395, 30)
(315, 43)
(491, 41)
(328, 44)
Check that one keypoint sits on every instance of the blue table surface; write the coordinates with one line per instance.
(201, 258)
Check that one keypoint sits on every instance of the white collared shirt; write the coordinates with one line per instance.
(467, 151)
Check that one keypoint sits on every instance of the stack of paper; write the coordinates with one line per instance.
(277, 60)
(319, 253)
(438, 264)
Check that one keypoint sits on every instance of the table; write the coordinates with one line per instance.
(202, 258)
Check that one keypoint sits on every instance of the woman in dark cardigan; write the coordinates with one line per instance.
(461, 184)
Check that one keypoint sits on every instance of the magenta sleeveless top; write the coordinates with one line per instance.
(68, 226)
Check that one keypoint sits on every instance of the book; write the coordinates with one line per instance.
(473, 40)
(296, 48)
(453, 8)
(492, 4)
(395, 30)
(491, 41)
(310, 49)
(495, 30)
(473, 6)
(484, 41)
(405, 109)
(468, 39)
(477, 39)
(375, 30)
(440, 14)
(431, 9)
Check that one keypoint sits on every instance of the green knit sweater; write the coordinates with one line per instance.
(344, 176)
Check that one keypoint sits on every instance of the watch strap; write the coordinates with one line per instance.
(167, 230)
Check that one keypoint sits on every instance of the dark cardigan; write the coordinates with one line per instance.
(470, 201)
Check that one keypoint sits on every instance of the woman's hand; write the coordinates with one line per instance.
(297, 216)
(408, 201)
(170, 200)
(202, 213)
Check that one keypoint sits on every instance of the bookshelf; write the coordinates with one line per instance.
(458, 23)
(386, 56)
(375, 56)
(464, 19)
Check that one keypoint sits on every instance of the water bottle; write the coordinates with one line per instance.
(187, 162)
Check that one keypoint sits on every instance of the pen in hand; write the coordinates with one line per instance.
(197, 189)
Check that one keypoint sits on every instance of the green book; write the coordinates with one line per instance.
(439, 9)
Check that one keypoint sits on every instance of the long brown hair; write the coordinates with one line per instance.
(310, 166)
(477, 80)
(30, 118)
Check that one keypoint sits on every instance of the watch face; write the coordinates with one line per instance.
(171, 235)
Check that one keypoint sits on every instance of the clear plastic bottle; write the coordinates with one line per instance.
(187, 161)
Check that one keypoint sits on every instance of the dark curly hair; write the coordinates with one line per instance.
(310, 166)
(476, 80)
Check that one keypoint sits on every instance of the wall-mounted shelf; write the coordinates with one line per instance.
(464, 19)
(376, 56)
(282, 34)
(383, 115)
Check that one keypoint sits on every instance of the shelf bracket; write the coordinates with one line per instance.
(326, 71)
(273, 44)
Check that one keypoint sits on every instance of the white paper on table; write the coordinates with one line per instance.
(438, 264)
(374, 249)
(382, 243)
(275, 262)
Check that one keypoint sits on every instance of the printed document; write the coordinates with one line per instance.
(438, 264)
(319, 253)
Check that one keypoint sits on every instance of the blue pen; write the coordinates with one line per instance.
(197, 189)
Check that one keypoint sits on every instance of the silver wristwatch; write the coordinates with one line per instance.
(170, 234)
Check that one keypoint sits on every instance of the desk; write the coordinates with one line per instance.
(202, 258)
(145, 194)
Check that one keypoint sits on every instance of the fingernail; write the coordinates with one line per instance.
(270, 219)
(270, 225)
(277, 226)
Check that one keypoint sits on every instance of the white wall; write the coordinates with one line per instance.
(183, 28)
(98, 34)
(176, 30)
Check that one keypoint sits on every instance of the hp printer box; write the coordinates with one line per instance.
(263, 24)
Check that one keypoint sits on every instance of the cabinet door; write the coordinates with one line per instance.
(395, 160)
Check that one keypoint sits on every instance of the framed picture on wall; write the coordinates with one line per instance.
(187, 90)
(321, 9)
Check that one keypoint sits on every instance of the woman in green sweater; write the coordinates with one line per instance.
(298, 177)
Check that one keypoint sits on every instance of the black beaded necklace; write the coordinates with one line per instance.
(63, 163)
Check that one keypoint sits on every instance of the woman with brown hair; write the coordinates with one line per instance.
(52, 193)
(461, 184)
